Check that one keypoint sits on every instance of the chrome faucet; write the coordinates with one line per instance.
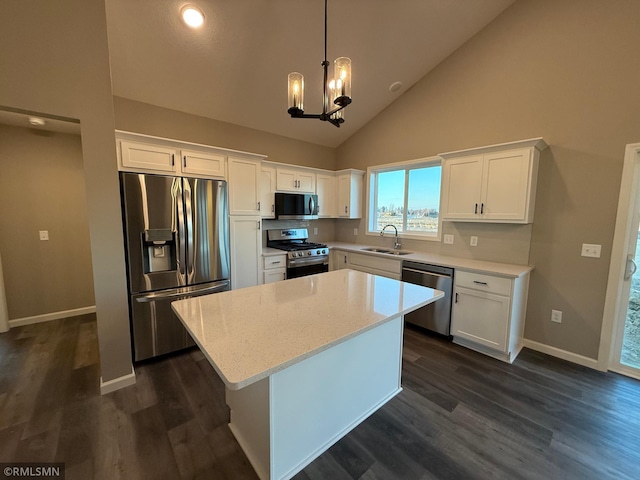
(397, 243)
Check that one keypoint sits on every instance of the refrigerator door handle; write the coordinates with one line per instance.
(176, 192)
(179, 292)
(189, 212)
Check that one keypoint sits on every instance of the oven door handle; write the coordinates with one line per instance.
(299, 262)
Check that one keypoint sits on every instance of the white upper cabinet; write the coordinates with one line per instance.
(326, 191)
(201, 163)
(293, 180)
(147, 154)
(267, 192)
(244, 186)
(495, 184)
(350, 193)
(148, 157)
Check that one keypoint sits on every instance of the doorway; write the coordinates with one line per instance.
(620, 339)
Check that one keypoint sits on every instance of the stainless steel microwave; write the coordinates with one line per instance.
(296, 206)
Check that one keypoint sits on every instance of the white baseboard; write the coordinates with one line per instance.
(17, 322)
(117, 383)
(563, 354)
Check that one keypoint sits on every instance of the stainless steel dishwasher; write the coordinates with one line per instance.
(435, 316)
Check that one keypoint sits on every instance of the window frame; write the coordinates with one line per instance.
(373, 190)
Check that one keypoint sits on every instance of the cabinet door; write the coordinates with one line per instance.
(286, 181)
(246, 251)
(306, 182)
(481, 318)
(244, 185)
(461, 188)
(199, 163)
(340, 260)
(350, 195)
(326, 190)
(505, 185)
(267, 190)
(148, 157)
(276, 275)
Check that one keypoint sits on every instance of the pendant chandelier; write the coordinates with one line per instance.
(336, 92)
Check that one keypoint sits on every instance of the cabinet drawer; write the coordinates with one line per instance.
(485, 283)
(274, 261)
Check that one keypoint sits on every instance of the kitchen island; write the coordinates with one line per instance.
(304, 360)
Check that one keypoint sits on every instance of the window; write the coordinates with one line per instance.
(407, 196)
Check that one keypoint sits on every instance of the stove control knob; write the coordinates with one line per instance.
(299, 254)
(318, 252)
(309, 252)
(324, 251)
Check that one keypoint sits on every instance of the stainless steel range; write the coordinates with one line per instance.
(303, 257)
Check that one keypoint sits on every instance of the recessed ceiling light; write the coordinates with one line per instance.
(192, 16)
(36, 122)
(395, 86)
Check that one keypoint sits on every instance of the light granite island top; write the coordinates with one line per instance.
(304, 360)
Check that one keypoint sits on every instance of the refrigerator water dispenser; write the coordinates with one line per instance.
(159, 251)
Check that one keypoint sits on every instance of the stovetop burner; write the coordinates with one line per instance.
(294, 246)
(295, 242)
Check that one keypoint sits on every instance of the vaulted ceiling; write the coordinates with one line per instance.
(235, 67)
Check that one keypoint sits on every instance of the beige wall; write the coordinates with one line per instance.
(567, 71)
(54, 59)
(42, 182)
(149, 119)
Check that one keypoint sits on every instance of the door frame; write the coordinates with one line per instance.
(615, 313)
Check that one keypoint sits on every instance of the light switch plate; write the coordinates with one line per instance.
(474, 241)
(315, 230)
(591, 250)
(448, 239)
(355, 231)
(44, 234)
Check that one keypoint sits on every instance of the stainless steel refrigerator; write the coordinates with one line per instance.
(177, 244)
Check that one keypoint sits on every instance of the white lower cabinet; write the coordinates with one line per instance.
(246, 250)
(488, 313)
(274, 268)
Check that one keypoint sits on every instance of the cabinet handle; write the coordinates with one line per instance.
(184, 160)
(345, 209)
(258, 205)
(482, 209)
(258, 222)
(284, 275)
(480, 283)
(456, 297)
(273, 207)
(475, 210)
(173, 161)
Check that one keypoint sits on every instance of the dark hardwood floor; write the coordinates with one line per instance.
(461, 415)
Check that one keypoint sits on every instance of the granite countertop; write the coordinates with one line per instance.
(251, 333)
(502, 269)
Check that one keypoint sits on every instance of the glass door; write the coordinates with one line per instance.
(625, 352)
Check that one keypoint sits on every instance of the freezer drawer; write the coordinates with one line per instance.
(155, 328)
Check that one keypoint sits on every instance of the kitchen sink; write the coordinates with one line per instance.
(377, 250)
(389, 252)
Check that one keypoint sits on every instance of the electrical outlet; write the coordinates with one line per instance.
(591, 250)
(474, 241)
(556, 316)
(44, 234)
(355, 232)
(315, 230)
(448, 239)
